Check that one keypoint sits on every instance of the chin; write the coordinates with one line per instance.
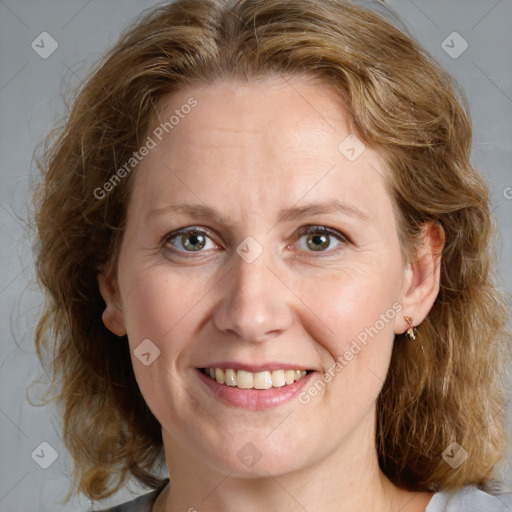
(256, 456)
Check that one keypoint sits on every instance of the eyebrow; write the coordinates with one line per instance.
(285, 215)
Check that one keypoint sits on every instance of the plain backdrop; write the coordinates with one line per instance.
(31, 90)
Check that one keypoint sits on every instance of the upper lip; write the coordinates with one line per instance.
(255, 368)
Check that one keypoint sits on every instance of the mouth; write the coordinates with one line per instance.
(243, 379)
(254, 390)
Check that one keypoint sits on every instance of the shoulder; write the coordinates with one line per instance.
(142, 503)
(469, 499)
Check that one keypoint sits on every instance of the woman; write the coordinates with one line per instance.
(269, 266)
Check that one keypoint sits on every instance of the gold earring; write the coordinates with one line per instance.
(411, 332)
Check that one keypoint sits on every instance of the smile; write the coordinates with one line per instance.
(254, 390)
(243, 379)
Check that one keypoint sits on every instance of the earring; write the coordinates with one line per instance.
(411, 332)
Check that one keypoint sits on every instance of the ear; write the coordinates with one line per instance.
(113, 315)
(422, 277)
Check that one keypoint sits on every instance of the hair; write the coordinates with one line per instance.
(446, 387)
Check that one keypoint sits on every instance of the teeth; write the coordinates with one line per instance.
(278, 379)
(244, 379)
(230, 377)
(219, 376)
(260, 380)
(289, 376)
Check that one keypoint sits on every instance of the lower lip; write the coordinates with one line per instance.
(256, 399)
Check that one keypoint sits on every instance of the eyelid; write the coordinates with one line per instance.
(320, 228)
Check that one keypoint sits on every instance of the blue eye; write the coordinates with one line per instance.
(190, 240)
(319, 238)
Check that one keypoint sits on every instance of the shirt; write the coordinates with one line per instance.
(466, 499)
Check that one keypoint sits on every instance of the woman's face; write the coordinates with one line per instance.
(247, 289)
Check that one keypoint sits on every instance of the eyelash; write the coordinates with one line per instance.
(304, 230)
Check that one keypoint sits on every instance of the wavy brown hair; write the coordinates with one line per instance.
(447, 386)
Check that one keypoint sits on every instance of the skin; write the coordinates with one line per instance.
(249, 151)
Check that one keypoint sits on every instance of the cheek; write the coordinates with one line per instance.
(158, 305)
(361, 309)
(155, 311)
(354, 327)
(355, 303)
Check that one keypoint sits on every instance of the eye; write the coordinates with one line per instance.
(320, 238)
(189, 240)
(316, 239)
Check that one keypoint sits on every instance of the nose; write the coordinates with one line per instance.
(254, 304)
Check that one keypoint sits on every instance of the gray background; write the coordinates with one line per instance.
(31, 90)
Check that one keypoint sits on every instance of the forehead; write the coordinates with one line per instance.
(271, 141)
(275, 108)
